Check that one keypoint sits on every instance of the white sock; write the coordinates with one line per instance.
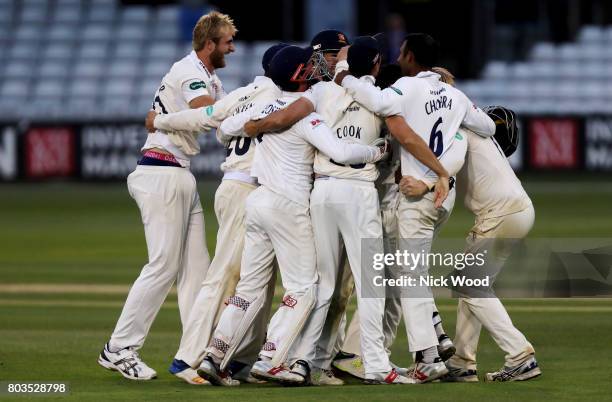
(430, 354)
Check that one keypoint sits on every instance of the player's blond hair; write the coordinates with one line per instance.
(212, 26)
(445, 75)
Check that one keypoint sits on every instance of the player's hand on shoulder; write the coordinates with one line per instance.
(412, 187)
(149, 121)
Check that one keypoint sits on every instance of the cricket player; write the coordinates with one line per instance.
(348, 358)
(166, 194)
(278, 224)
(435, 111)
(504, 215)
(230, 198)
(344, 205)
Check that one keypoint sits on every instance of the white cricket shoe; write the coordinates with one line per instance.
(320, 376)
(190, 376)
(264, 370)
(426, 372)
(522, 372)
(127, 363)
(403, 371)
(182, 370)
(446, 349)
(211, 372)
(350, 363)
(391, 377)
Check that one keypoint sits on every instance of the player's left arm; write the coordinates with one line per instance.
(384, 102)
(233, 126)
(477, 120)
(203, 118)
(201, 101)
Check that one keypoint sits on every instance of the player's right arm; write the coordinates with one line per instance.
(190, 120)
(414, 144)
(233, 126)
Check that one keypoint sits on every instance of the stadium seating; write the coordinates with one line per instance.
(570, 78)
(76, 59)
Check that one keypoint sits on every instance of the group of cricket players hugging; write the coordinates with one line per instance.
(331, 151)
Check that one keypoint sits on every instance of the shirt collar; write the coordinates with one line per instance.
(198, 63)
(428, 74)
(368, 78)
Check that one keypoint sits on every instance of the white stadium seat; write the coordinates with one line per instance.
(18, 69)
(15, 88)
(123, 69)
(544, 51)
(89, 69)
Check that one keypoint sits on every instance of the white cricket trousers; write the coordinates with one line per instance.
(393, 308)
(347, 211)
(222, 278)
(174, 230)
(275, 226)
(419, 221)
(474, 313)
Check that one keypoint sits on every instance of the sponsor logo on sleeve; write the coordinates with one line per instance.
(396, 90)
(314, 123)
(197, 85)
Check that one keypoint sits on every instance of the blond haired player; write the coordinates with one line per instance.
(435, 111)
(167, 196)
(230, 198)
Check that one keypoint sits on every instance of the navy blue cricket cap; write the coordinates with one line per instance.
(269, 53)
(383, 43)
(329, 40)
(287, 65)
(363, 55)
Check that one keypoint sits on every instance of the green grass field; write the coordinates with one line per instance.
(69, 251)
